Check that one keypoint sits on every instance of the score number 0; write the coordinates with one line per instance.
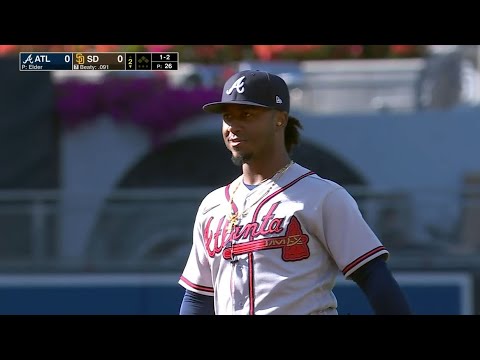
(106, 66)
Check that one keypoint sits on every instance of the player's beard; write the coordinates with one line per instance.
(239, 160)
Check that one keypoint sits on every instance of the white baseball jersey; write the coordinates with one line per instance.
(286, 252)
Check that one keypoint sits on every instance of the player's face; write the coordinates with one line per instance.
(248, 132)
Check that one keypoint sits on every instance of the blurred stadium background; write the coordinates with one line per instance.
(102, 171)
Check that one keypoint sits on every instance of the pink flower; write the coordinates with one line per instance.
(8, 49)
(159, 48)
(149, 103)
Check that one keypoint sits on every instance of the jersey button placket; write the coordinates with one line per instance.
(232, 285)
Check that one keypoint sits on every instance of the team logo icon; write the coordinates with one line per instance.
(237, 85)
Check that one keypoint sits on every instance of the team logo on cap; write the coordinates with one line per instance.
(237, 85)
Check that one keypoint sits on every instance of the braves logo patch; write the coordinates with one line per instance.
(237, 85)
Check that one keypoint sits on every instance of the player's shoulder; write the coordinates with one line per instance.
(214, 197)
(315, 180)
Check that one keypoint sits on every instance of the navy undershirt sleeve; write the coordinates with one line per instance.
(382, 290)
(196, 304)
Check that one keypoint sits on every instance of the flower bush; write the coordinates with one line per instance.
(149, 103)
(154, 105)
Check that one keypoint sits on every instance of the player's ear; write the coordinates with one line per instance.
(281, 118)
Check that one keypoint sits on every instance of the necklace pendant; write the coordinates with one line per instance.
(232, 221)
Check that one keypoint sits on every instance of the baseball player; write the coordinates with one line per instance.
(274, 240)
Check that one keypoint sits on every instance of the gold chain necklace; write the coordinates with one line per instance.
(235, 217)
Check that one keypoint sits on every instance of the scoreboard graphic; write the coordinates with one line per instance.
(105, 61)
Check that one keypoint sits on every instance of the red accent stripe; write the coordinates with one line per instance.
(250, 255)
(251, 294)
(227, 195)
(361, 258)
(196, 286)
(248, 247)
(257, 210)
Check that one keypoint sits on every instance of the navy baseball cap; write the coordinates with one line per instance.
(253, 87)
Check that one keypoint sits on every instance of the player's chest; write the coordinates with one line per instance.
(269, 224)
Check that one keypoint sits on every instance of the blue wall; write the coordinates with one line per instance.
(91, 300)
(445, 294)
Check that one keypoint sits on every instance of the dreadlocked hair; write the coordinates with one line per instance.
(292, 133)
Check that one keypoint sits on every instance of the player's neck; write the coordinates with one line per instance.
(257, 171)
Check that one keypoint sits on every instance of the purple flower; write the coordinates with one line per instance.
(77, 102)
(149, 103)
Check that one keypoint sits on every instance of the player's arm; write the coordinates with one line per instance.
(196, 304)
(382, 290)
(197, 273)
(351, 242)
